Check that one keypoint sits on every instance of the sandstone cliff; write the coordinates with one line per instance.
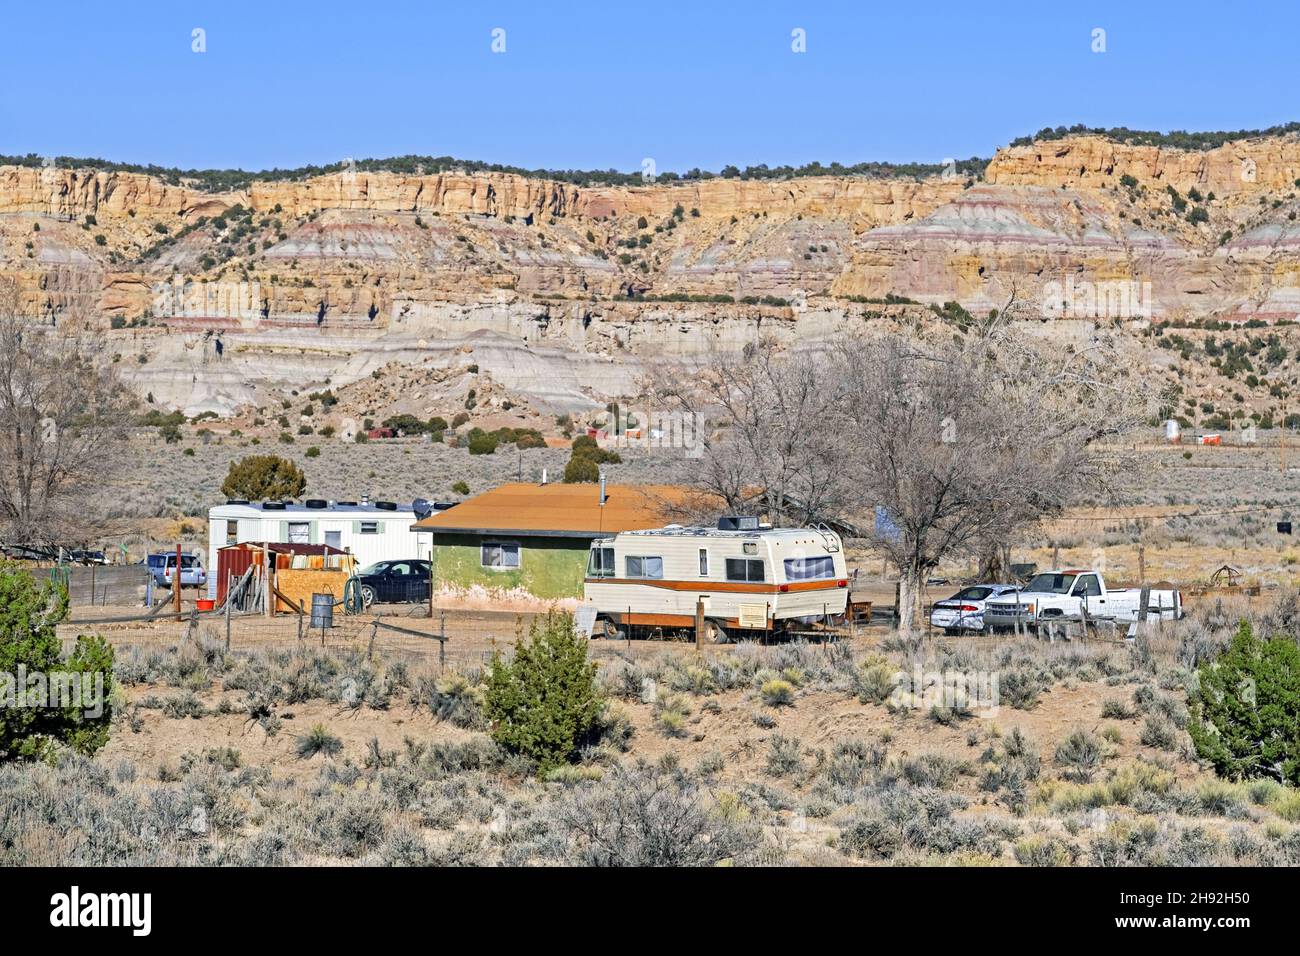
(336, 276)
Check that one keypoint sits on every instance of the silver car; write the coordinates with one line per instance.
(964, 611)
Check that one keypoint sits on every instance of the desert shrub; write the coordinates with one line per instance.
(184, 705)
(913, 819)
(318, 740)
(851, 762)
(777, 692)
(1287, 806)
(1117, 709)
(29, 613)
(1159, 732)
(671, 711)
(875, 680)
(404, 847)
(544, 703)
(931, 770)
(1010, 769)
(454, 699)
(353, 826)
(264, 478)
(783, 756)
(1041, 850)
(1020, 689)
(1220, 799)
(1080, 754)
(1246, 713)
(650, 816)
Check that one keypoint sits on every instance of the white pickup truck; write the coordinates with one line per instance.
(1071, 594)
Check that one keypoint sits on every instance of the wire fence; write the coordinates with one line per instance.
(450, 640)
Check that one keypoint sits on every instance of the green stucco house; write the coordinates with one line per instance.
(535, 538)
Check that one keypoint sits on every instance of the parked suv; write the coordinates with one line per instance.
(163, 565)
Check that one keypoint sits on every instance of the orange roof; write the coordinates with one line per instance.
(560, 509)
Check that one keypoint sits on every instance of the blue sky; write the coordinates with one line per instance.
(598, 85)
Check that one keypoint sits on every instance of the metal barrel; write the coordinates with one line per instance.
(322, 610)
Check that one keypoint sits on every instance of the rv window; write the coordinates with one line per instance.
(809, 569)
(645, 567)
(704, 562)
(745, 569)
(600, 564)
(500, 554)
(300, 532)
(370, 527)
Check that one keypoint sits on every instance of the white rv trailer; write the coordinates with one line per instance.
(371, 531)
(753, 582)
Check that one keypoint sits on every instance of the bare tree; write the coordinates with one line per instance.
(62, 416)
(959, 446)
(776, 448)
(948, 442)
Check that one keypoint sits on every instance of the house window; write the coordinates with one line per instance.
(370, 527)
(704, 562)
(232, 532)
(500, 554)
(300, 532)
(644, 567)
(809, 569)
(745, 569)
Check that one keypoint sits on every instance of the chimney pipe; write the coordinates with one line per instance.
(543, 476)
(602, 489)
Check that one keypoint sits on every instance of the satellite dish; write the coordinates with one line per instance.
(422, 508)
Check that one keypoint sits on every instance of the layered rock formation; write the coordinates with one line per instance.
(553, 286)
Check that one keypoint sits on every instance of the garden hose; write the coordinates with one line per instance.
(353, 602)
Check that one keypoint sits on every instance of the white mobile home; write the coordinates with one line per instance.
(751, 581)
(371, 531)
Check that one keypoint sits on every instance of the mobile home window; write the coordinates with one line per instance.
(704, 562)
(232, 532)
(601, 563)
(644, 567)
(745, 569)
(500, 554)
(809, 569)
(300, 532)
(370, 527)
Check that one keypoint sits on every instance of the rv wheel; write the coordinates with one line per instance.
(716, 633)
